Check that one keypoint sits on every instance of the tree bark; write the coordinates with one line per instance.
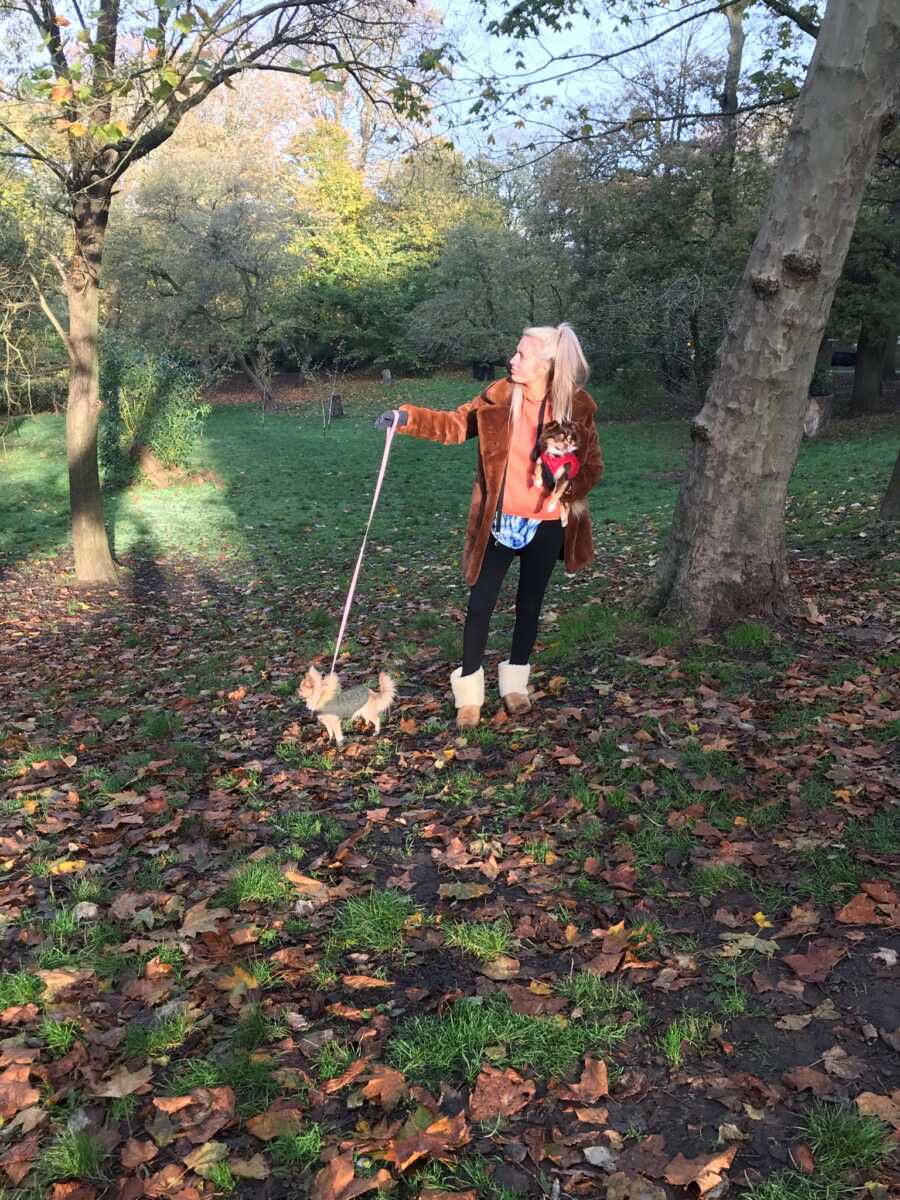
(725, 556)
(723, 180)
(890, 504)
(93, 559)
(871, 348)
(889, 366)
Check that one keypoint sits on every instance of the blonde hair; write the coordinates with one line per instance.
(569, 368)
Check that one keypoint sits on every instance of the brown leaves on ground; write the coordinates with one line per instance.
(499, 1093)
(438, 1141)
(592, 1086)
(199, 1115)
(386, 1087)
(705, 1172)
(548, 830)
(817, 962)
(16, 1090)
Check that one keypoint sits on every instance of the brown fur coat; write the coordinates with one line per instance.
(487, 418)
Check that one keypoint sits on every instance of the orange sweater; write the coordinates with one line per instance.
(520, 497)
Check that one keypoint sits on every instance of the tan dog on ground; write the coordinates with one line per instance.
(325, 697)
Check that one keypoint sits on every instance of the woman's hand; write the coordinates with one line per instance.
(386, 420)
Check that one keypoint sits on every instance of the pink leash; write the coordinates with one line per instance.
(389, 437)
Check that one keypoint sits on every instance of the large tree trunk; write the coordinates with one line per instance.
(890, 505)
(93, 560)
(871, 348)
(725, 556)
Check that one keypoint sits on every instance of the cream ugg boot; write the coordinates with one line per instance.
(514, 688)
(468, 696)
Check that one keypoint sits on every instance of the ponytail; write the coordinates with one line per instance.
(569, 370)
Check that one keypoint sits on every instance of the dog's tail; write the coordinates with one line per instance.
(387, 690)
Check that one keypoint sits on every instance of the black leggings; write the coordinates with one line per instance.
(538, 559)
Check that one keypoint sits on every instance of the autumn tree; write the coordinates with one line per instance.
(90, 92)
(725, 556)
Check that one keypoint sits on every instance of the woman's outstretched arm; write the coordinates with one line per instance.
(450, 428)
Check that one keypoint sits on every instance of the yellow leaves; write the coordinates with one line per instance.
(61, 92)
(67, 866)
(762, 920)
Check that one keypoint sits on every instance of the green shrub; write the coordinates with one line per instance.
(149, 400)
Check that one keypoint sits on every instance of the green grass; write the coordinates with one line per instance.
(455, 1045)
(150, 1041)
(296, 1151)
(259, 509)
(751, 635)
(258, 882)
(691, 1030)
(482, 940)
(304, 827)
(59, 1036)
(18, 987)
(73, 1156)
(597, 997)
(845, 1146)
(374, 922)
(709, 881)
(254, 1085)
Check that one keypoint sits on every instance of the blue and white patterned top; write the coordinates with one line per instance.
(514, 532)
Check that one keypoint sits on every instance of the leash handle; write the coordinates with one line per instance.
(388, 438)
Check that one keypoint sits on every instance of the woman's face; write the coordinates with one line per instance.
(526, 365)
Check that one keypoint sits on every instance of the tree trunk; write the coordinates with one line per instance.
(889, 366)
(723, 180)
(93, 559)
(725, 556)
(890, 505)
(258, 376)
(871, 348)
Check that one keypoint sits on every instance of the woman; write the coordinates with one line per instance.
(510, 517)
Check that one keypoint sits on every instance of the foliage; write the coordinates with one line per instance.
(150, 400)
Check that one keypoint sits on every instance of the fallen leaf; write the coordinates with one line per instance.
(593, 1084)
(203, 1160)
(275, 1122)
(255, 1167)
(820, 959)
(16, 1091)
(59, 979)
(623, 1186)
(501, 967)
(463, 891)
(19, 1160)
(136, 1154)
(870, 1104)
(706, 1171)
(436, 1193)
(802, 1156)
(200, 919)
(340, 1081)
(386, 1087)
(499, 1093)
(360, 983)
(124, 1083)
(839, 1063)
(809, 1079)
(337, 1180)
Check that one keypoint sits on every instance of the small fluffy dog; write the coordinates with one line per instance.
(325, 697)
(557, 463)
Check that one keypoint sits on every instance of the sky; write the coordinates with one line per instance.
(496, 55)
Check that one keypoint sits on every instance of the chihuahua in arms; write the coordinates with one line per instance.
(332, 705)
